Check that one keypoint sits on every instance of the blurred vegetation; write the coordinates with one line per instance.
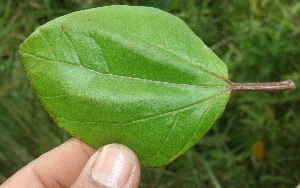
(256, 143)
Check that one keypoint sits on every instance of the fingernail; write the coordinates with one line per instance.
(112, 167)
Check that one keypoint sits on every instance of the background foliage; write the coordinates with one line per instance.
(256, 143)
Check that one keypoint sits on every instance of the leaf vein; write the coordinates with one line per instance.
(128, 77)
(48, 44)
(173, 125)
(101, 49)
(154, 116)
(72, 44)
(179, 57)
(199, 124)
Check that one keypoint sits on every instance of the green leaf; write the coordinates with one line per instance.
(131, 75)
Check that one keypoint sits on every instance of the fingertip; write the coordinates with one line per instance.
(114, 165)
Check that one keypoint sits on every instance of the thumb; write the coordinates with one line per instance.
(113, 166)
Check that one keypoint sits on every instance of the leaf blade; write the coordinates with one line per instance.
(127, 82)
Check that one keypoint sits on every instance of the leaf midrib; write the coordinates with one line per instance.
(124, 77)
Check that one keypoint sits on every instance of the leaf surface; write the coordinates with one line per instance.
(131, 75)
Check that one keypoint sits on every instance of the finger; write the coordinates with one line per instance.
(113, 166)
(59, 167)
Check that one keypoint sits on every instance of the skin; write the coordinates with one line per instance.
(75, 164)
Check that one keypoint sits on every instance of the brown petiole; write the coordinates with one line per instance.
(268, 86)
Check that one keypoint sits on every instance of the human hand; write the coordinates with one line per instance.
(75, 164)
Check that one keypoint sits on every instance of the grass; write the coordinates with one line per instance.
(258, 40)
